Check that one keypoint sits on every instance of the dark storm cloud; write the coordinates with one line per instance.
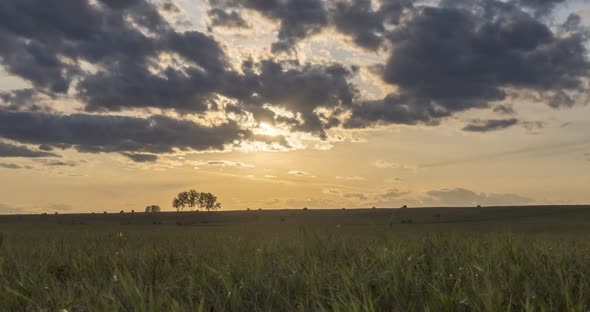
(300, 89)
(10, 150)
(450, 59)
(359, 20)
(490, 125)
(229, 19)
(102, 133)
(38, 36)
(443, 60)
(134, 85)
(504, 109)
(540, 7)
(28, 99)
(125, 55)
(365, 25)
(45, 147)
(44, 43)
(56, 163)
(303, 90)
(298, 19)
(141, 157)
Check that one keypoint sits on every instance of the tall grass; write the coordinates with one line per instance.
(339, 269)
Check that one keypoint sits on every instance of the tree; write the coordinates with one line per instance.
(193, 199)
(177, 203)
(152, 208)
(210, 201)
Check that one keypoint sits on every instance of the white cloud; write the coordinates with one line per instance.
(300, 173)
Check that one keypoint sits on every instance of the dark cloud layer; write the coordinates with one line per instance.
(229, 19)
(450, 59)
(540, 7)
(102, 133)
(301, 90)
(10, 150)
(44, 44)
(365, 25)
(136, 157)
(443, 59)
(298, 19)
(490, 125)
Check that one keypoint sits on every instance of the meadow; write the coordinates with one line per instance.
(416, 259)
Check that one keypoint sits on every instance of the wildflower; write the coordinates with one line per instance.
(115, 278)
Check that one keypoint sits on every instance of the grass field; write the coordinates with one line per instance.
(446, 259)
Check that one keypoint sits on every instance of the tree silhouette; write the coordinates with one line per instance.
(192, 199)
(152, 208)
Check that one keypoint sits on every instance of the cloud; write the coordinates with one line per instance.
(221, 18)
(298, 19)
(110, 133)
(481, 51)
(300, 173)
(490, 125)
(38, 43)
(140, 158)
(27, 99)
(540, 7)
(365, 25)
(300, 89)
(227, 163)
(464, 197)
(57, 163)
(504, 109)
(124, 57)
(9, 166)
(10, 150)
(393, 194)
(123, 42)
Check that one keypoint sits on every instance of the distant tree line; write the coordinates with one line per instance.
(192, 200)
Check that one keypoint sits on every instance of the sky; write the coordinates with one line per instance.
(109, 105)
